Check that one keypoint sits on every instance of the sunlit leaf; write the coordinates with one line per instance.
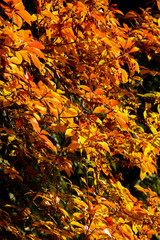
(35, 124)
(36, 44)
(48, 142)
(36, 61)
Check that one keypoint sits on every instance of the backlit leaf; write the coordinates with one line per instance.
(122, 122)
(36, 44)
(36, 61)
(49, 143)
(26, 16)
(35, 124)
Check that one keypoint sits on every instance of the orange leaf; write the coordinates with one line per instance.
(99, 110)
(114, 103)
(122, 122)
(36, 61)
(44, 132)
(85, 88)
(49, 143)
(130, 42)
(99, 91)
(92, 76)
(17, 20)
(98, 17)
(158, 4)
(25, 16)
(24, 54)
(127, 234)
(35, 124)
(150, 233)
(52, 110)
(38, 53)
(123, 116)
(18, 5)
(36, 44)
(47, 13)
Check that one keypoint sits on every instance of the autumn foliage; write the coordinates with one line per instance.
(69, 78)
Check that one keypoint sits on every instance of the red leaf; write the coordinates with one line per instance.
(109, 220)
(18, 124)
(29, 78)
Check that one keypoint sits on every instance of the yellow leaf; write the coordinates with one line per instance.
(153, 129)
(69, 132)
(104, 146)
(80, 203)
(73, 112)
(90, 169)
(82, 139)
(134, 49)
(75, 223)
(64, 212)
(123, 116)
(126, 234)
(83, 180)
(142, 174)
(135, 65)
(135, 227)
(124, 75)
(11, 138)
(101, 62)
(141, 189)
(78, 215)
(15, 60)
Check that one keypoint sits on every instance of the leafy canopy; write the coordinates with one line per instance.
(69, 101)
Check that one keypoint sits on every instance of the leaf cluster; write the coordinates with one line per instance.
(69, 105)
